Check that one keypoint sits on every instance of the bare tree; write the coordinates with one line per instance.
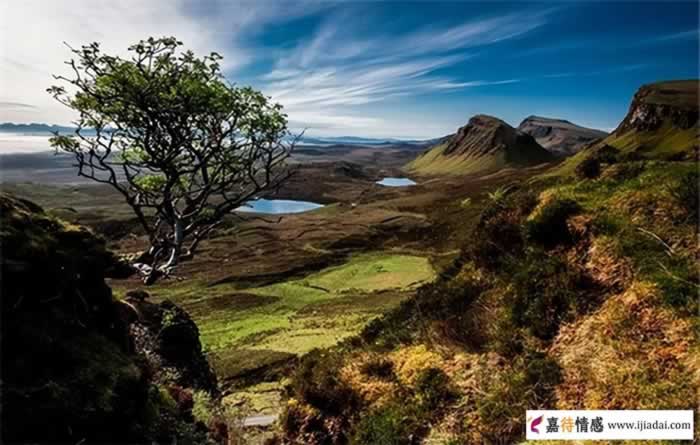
(180, 144)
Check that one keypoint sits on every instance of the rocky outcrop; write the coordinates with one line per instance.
(71, 371)
(559, 137)
(169, 340)
(673, 102)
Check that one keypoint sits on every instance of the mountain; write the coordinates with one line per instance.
(9, 127)
(355, 140)
(485, 144)
(662, 123)
(662, 120)
(560, 137)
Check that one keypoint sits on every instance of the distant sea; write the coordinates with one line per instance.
(24, 143)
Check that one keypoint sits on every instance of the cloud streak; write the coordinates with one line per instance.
(338, 68)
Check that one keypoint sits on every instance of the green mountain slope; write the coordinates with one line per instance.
(484, 145)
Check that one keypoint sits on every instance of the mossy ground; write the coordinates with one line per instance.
(620, 283)
(247, 328)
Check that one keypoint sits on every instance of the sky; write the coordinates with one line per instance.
(409, 70)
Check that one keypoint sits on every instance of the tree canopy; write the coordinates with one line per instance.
(166, 130)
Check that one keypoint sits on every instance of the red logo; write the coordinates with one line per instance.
(535, 423)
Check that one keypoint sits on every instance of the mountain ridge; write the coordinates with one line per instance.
(561, 137)
(483, 145)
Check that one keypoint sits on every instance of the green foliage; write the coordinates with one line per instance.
(548, 227)
(202, 410)
(391, 425)
(528, 384)
(498, 235)
(498, 194)
(676, 275)
(686, 193)
(607, 154)
(151, 183)
(171, 135)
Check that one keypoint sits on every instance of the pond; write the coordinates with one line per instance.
(396, 182)
(277, 206)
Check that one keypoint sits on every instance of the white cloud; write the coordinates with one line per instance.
(33, 32)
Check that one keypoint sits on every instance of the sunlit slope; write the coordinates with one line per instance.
(486, 144)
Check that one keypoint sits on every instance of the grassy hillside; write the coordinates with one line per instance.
(485, 145)
(572, 293)
(435, 162)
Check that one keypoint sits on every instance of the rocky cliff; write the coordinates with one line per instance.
(674, 103)
(662, 122)
(73, 369)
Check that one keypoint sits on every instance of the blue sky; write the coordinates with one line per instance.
(383, 69)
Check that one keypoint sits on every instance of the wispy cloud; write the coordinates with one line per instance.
(691, 34)
(339, 68)
(15, 105)
(611, 70)
(34, 31)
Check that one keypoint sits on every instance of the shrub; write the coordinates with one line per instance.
(685, 192)
(589, 168)
(378, 367)
(498, 233)
(545, 294)
(318, 384)
(548, 227)
(392, 425)
(432, 388)
(528, 384)
(607, 154)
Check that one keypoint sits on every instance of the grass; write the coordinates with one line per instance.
(663, 142)
(295, 316)
(435, 162)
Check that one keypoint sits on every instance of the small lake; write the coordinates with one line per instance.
(277, 206)
(396, 182)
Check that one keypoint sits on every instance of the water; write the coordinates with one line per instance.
(277, 206)
(396, 182)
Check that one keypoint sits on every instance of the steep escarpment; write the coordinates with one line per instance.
(484, 145)
(673, 102)
(73, 370)
(558, 136)
(662, 121)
